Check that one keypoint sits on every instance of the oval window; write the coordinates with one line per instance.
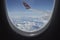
(29, 17)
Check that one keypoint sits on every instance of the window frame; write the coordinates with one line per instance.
(33, 33)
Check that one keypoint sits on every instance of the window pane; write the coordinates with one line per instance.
(29, 15)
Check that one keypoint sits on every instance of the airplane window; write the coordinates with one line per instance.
(29, 17)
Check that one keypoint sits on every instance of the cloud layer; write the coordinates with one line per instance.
(30, 20)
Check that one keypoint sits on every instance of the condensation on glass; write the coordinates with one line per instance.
(29, 17)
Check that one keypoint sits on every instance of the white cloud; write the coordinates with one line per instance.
(41, 15)
(30, 13)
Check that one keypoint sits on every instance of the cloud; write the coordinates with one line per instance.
(29, 13)
(28, 26)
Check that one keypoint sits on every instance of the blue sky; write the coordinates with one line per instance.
(38, 4)
(16, 7)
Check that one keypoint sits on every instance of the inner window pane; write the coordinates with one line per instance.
(29, 15)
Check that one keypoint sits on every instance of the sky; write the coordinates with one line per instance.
(16, 7)
(39, 4)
